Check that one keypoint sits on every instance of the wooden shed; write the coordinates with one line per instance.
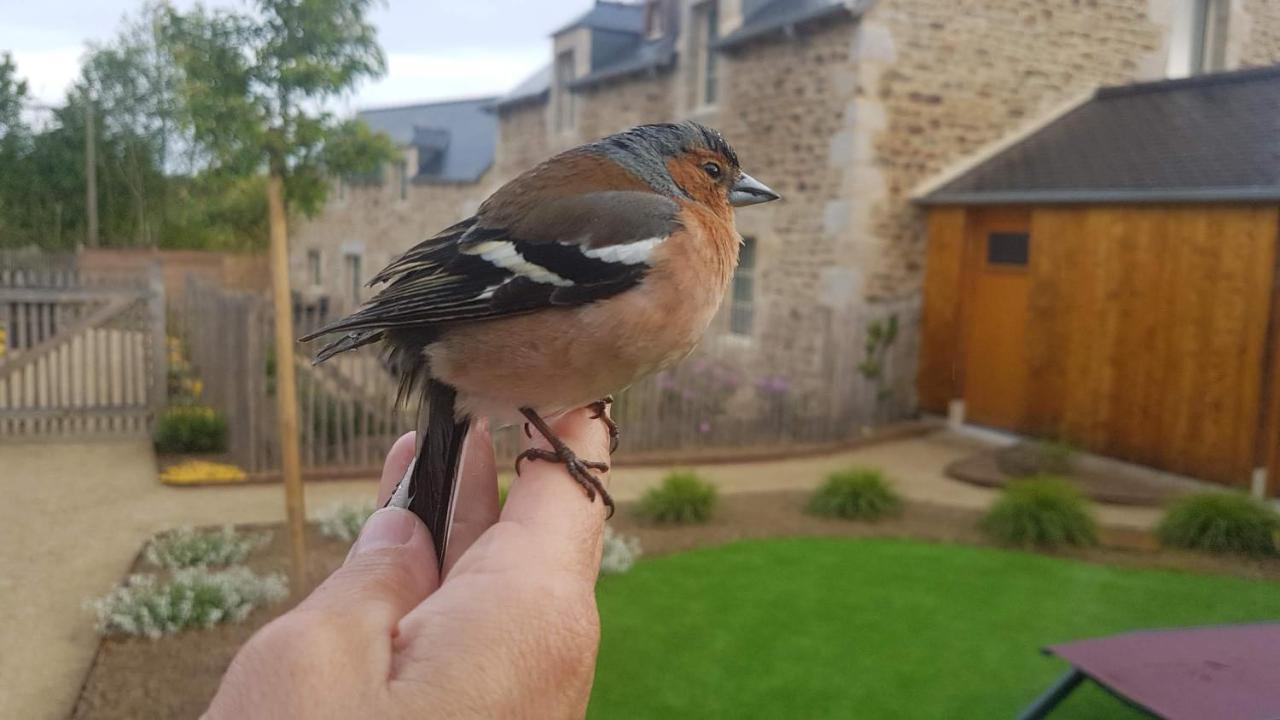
(1111, 280)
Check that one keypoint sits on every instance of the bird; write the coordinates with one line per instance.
(595, 268)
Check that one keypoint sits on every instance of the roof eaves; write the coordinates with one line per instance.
(1253, 193)
(664, 61)
(519, 101)
(749, 32)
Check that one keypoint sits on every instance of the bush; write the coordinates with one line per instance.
(192, 598)
(856, 494)
(344, 520)
(190, 429)
(1220, 522)
(1041, 511)
(683, 498)
(185, 547)
(620, 552)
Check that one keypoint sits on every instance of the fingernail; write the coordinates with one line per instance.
(388, 527)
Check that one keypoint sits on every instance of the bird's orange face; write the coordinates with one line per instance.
(706, 175)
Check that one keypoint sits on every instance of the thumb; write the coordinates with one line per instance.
(389, 571)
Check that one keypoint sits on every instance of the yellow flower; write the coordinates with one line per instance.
(193, 472)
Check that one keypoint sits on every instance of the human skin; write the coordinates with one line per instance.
(511, 632)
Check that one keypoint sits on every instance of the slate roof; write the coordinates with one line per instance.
(1210, 137)
(463, 130)
(647, 56)
(763, 17)
(604, 15)
(534, 88)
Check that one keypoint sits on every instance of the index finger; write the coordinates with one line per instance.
(559, 519)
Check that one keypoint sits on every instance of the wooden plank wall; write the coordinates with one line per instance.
(938, 378)
(1147, 335)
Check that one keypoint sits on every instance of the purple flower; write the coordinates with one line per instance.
(704, 427)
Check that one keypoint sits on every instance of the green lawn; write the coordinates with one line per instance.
(847, 628)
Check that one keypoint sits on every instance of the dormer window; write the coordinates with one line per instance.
(706, 31)
(564, 99)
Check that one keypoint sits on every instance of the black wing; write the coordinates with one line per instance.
(567, 251)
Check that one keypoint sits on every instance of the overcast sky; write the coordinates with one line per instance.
(435, 48)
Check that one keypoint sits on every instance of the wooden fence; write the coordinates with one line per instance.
(723, 401)
(80, 354)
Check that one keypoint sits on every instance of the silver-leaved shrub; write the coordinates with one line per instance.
(197, 597)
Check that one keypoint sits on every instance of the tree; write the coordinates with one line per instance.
(134, 88)
(255, 86)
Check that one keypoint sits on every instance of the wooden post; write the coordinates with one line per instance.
(286, 388)
(159, 340)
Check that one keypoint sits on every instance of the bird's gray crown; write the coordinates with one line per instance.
(645, 149)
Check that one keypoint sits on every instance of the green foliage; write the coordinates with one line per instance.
(683, 498)
(190, 429)
(187, 547)
(1042, 511)
(1221, 522)
(193, 598)
(856, 494)
(881, 335)
(253, 84)
(345, 520)
(845, 627)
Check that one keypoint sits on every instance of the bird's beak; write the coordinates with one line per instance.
(750, 191)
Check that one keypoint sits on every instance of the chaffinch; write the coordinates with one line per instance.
(584, 274)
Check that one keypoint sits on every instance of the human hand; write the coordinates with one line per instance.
(511, 632)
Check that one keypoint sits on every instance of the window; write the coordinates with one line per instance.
(742, 309)
(564, 99)
(402, 174)
(706, 24)
(354, 277)
(1010, 249)
(313, 266)
(1198, 40)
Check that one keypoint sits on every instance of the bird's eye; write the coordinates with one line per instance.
(713, 170)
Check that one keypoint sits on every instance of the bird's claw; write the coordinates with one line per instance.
(579, 470)
(599, 409)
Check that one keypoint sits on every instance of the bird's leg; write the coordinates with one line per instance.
(579, 469)
(600, 407)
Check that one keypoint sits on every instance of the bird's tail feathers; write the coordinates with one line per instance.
(433, 483)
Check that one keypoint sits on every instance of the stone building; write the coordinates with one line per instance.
(846, 107)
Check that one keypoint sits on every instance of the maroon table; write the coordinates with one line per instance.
(1229, 672)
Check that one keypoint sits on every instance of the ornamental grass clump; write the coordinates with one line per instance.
(1221, 522)
(187, 547)
(345, 520)
(856, 494)
(683, 498)
(1042, 511)
(147, 606)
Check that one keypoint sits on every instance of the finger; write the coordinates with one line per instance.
(398, 458)
(563, 525)
(390, 570)
(476, 508)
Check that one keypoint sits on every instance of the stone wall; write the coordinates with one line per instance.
(374, 221)
(787, 106)
(1259, 31)
(941, 79)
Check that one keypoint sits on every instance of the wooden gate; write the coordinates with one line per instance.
(79, 356)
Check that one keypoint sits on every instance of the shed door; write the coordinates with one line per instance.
(998, 259)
